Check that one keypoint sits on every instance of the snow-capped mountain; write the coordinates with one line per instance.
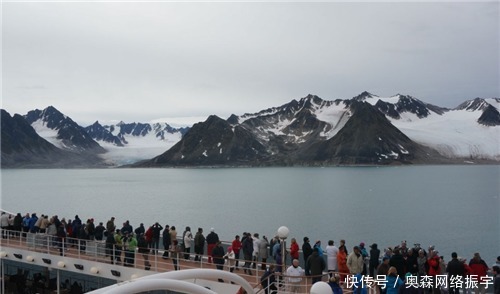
(62, 131)
(217, 142)
(130, 142)
(23, 147)
(296, 122)
(102, 134)
(296, 132)
(489, 107)
(118, 144)
(366, 129)
(467, 131)
(368, 137)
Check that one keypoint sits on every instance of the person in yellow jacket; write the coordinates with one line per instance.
(131, 246)
(118, 246)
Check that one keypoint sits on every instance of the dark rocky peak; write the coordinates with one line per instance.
(308, 104)
(437, 109)
(51, 117)
(212, 124)
(105, 133)
(212, 142)
(367, 138)
(291, 107)
(233, 119)
(388, 109)
(287, 110)
(100, 133)
(73, 136)
(304, 122)
(268, 111)
(313, 101)
(490, 116)
(294, 122)
(410, 104)
(310, 98)
(97, 124)
(22, 147)
(345, 102)
(363, 96)
(407, 103)
(135, 129)
(213, 120)
(365, 113)
(473, 105)
(18, 136)
(161, 128)
(183, 130)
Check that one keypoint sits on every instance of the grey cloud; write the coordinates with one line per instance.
(34, 87)
(195, 59)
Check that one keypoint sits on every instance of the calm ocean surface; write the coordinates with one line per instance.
(455, 208)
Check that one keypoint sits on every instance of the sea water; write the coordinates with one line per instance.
(455, 208)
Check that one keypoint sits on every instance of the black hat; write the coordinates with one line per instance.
(374, 246)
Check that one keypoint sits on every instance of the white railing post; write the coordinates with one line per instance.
(156, 259)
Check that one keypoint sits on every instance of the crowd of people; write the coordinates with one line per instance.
(399, 261)
(398, 269)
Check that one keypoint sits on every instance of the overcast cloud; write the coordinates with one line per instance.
(146, 61)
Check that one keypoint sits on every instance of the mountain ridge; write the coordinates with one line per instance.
(22, 147)
(304, 131)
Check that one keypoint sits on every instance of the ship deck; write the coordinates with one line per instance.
(89, 258)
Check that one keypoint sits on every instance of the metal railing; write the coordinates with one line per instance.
(154, 260)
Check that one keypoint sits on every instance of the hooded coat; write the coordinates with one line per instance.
(315, 264)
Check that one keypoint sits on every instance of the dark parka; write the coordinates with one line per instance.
(315, 264)
(247, 247)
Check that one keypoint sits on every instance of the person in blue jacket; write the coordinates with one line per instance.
(359, 287)
(334, 284)
(393, 282)
(318, 245)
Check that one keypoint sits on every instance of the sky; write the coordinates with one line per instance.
(182, 61)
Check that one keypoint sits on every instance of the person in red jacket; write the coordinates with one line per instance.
(434, 269)
(294, 249)
(434, 263)
(479, 269)
(467, 290)
(236, 246)
(148, 236)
